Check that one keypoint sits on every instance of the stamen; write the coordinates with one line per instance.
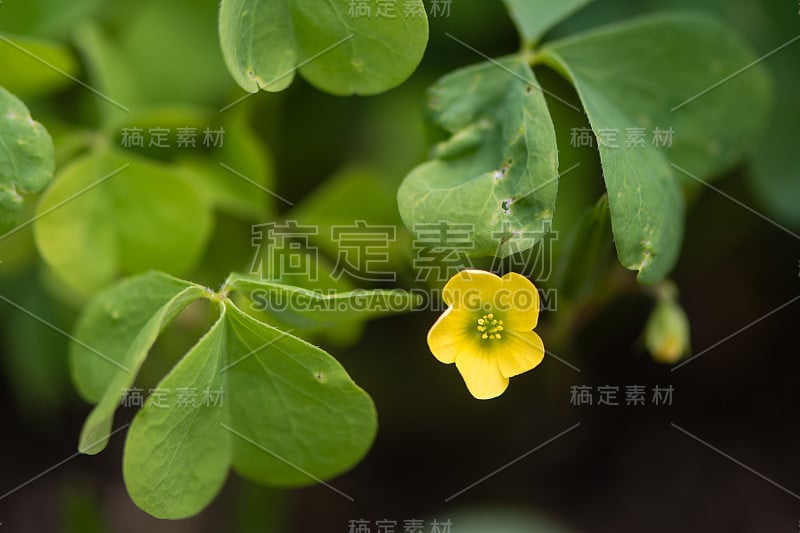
(489, 327)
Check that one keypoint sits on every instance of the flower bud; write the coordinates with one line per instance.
(667, 333)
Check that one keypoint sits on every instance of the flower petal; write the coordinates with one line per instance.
(471, 288)
(518, 301)
(519, 352)
(449, 335)
(481, 374)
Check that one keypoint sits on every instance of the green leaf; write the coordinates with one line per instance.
(23, 62)
(26, 156)
(662, 86)
(534, 18)
(19, 17)
(177, 456)
(303, 308)
(588, 251)
(57, 18)
(776, 168)
(240, 189)
(50, 18)
(277, 409)
(109, 325)
(173, 51)
(290, 416)
(317, 275)
(241, 186)
(263, 43)
(114, 335)
(498, 172)
(162, 53)
(165, 117)
(293, 407)
(109, 72)
(352, 196)
(285, 413)
(776, 165)
(110, 214)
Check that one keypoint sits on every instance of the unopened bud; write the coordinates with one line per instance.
(667, 333)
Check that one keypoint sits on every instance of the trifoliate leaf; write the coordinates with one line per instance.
(669, 103)
(498, 172)
(334, 45)
(277, 409)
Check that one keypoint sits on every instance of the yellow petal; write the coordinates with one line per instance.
(471, 289)
(479, 369)
(519, 352)
(454, 331)
(518, 301)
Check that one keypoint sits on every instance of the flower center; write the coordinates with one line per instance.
(489, 327)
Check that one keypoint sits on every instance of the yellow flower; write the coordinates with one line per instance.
(486, 330)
